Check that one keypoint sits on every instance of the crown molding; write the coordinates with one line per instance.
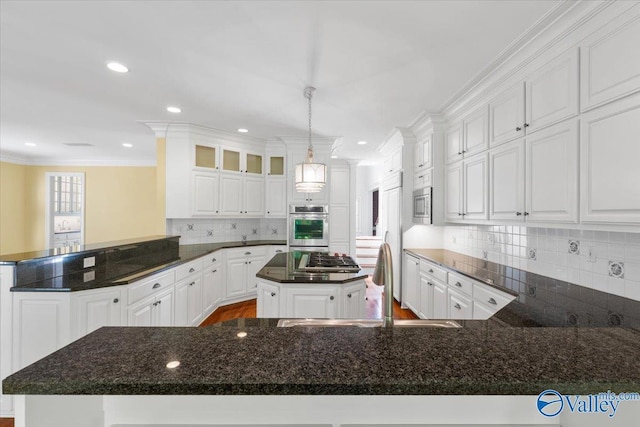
(13, 158)
(52, 161)
(163, 129)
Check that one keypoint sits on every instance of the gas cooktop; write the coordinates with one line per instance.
(324, 262)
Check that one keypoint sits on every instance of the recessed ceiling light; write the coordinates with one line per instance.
(117, 67)
(362, 142)
(30, 144)
(126, 144)
(174, 110)
(242, 130)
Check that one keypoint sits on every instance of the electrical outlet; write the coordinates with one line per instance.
(591, 255)
(89, 262)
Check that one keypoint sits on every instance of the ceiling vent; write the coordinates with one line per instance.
(78, 144)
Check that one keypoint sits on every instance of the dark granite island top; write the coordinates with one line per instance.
(478, 359)
(282, 268)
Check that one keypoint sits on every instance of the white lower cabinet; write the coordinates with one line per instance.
(353, 301)
(460, 306)
(212, 287)
(242, 264)
(410, 279)
(188, 301)
(268, 304)
(319, 301)
(97, 308)
(440, 301)
(156, 310)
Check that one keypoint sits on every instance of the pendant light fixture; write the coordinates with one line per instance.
(310, 176)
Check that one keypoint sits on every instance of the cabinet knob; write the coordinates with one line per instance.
(348, 295)
(247, 253)
(331, 297)
(160, 302)
(215, 271)
(526, 125)
(518, 213)
(216, 211)
(268, 212)
(431, 270)
(421, 176)
(116, 300)
(155, 303)
(526, 214)
(192, 283)
(240, 211)
(273, 294)
(429, 283)
(213, 260)
(464, 151)
(518, 129)
(156, 285)
(191, 270)
(458, 284)
(492, 301)
(421, 165)
(278, 251)
(457, 306)
(459, 214)
(459, 153)
(249, 262)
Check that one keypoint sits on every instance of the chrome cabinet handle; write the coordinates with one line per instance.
(458, 284)
(458, 306)
(492, 301)
(156, 286)
(115, 300)
(191, 270)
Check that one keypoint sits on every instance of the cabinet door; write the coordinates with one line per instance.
(410, 283)
(211, 289)
(552, 174)
(163, 311)
(206, 157)
(253, 163)
(422, 154)
(316, 302)
(253, 196)
(231, 159)
(236, 277)
(339, 192)
(476, 187)
(205, 194)
(610, 62)
(181, 304)
(610, 169)
(353, 300)
(339, 225)
(140, 313)
(231, 195)
(254, 264)
(440, 301)
(426, 298)
(506, 182)
(394, 216)
(268, 304)
(97, 309)
(476, 132)
(506, 116)
(460, 307)
(276, 197)
(276, 165)
(453, 142)
(453, 195)
(552, 92)
(194, 308)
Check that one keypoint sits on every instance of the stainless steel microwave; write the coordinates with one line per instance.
(422, 206)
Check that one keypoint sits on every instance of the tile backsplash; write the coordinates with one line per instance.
(601, 260)
(195, 231)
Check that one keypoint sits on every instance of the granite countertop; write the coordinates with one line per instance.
(540, 300)
(102, 277)
(282, 268)
(480, 360)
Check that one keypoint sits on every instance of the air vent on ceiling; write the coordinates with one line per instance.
(78, 144)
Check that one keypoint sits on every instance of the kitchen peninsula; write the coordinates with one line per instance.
(301, 284)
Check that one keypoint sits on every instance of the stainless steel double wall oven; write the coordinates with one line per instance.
(309, 227)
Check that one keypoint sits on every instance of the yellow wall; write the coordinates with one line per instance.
(121, 203)
(12, 208)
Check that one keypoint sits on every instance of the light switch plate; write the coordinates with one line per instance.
(89, 262)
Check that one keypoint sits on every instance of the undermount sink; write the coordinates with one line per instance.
(367, 323)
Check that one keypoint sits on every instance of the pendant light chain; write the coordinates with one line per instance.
(308, 93)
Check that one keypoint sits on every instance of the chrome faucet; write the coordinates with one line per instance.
(383, 276)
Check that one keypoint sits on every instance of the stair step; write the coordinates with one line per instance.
(366, 255)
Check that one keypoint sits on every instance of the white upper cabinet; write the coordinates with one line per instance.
(242, 161)
(393, 162)
(276, 197)
(552, 92)
(609, 164)
(206, 157)
(610, 62)
(423, 158)
(231, 195)
(506, 116)
(453, 143)
(506, 182)
(476, 132)
(552, 174)
(206, 194)
(476, 187)
(453, 192)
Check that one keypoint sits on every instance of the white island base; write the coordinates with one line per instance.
(311, 300)
(334, 411)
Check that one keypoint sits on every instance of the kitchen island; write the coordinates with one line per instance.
(285, 289)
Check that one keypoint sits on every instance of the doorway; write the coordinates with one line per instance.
(64, 209)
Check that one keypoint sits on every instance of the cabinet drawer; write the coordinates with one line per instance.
(188, 269)
(431, 270)
(423, 179)
(460, 284)
(491, 297)
(460, 306)
(246, 251)
(211, 259)
(150, 286)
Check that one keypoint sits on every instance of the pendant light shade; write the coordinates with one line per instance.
(310, 176)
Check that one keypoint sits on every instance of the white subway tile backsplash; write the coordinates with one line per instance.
(632, 271)
(632, 289)
(617, 238)
(633, 239)
(615, 286)
(195, 231)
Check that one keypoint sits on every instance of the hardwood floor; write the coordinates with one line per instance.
(247, 309)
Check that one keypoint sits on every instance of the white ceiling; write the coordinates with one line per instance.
(232, 64)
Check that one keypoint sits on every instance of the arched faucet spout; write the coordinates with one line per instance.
(383, 276)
